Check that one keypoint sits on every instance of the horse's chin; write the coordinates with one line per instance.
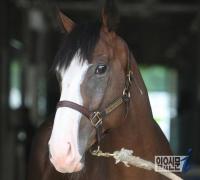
(76, 167)
(65, 167)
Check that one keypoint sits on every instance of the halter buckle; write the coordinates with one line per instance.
(96, 115)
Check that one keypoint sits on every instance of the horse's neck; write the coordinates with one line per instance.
(140, 133)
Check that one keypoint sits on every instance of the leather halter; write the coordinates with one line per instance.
(96, 117)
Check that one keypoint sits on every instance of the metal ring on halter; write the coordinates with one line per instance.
(126, 93)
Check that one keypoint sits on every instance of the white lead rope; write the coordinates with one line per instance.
(126, 156)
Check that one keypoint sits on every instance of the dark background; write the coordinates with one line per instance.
(163, 32)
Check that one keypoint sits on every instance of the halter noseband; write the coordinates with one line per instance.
(96, 117)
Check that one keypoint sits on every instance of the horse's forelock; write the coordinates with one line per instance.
(83, 38)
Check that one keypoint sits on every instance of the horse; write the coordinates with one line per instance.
(103, 103)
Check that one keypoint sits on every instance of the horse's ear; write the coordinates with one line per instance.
(66, 23)
(110, 16)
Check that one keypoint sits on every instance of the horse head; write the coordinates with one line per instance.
(92, 66)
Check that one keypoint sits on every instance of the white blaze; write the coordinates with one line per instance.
(63, 143)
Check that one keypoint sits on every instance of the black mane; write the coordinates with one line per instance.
(83, 38)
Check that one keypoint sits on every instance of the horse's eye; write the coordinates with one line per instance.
(100, 69)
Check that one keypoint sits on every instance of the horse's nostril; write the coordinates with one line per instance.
(68, 148)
